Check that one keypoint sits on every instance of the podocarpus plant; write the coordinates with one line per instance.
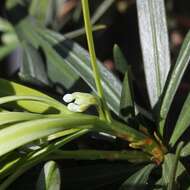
(35, 126)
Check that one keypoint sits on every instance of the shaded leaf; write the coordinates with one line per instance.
(101, 10)
(155, 47)
(119, 59)
(50, 177)
(139, 179)
(183, 122)
(127, 99)
(174, 80)
(32, 66)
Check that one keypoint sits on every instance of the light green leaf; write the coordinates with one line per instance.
(79, 32)
(101, 10)
(39, 9)
(5, 50)
(32, 65)
(174, 80)
(17, 135)
(183, 122)
(50, 177)
(155, 47)
(5, 25)
(119, 59)
(10, 88)
(139, 179)
(167, 169)
(11, 117)
(186, 150)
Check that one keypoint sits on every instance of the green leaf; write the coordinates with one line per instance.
(50, 177)
(32, 66)
(33, 159)
(17, 135)
(5, 25)
(127, 99)
(5, 50)
(101, 10)
(183, 122)
(58, 71)
(39, 9)
(79, 32)
(174, 167)
(167, 169)
(119, 59)
(78, 59)
(11, 117)
(186, 150)
(174, 80)
(139, 179)
(155, 47)
(10, 88)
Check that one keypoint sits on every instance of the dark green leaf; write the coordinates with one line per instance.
(155, 48)
(183, 122)
(119, 59)
(127, 99)
(50, 177)
(176, 76)
(139, 179)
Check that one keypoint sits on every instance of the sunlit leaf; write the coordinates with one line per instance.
(50, 177)
(155, 47)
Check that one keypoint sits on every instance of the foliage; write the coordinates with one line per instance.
(34, 126)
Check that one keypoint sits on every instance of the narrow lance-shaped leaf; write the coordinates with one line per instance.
(119, 59)
(155, 47)
(183, 122)
(174, 80)
(11, 88)
(50, 177)
(139, 179)
(101, 10)
(186, 150)
(32, 65)
(20, 134)
(127, 99)
(173, 172)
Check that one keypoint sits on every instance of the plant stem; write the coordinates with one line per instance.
(171, 185)
(131, 156)
(96, 73)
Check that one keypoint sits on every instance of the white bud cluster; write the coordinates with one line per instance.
(79, 102)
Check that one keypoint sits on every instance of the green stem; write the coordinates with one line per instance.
(131, 156)
(96, 73)
(172, 177)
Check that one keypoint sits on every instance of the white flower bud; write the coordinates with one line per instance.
(73, 107)
(68, 98)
